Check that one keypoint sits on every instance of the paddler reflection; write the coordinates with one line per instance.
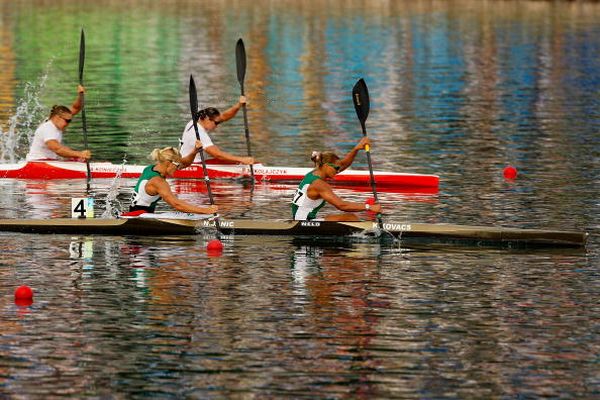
(47, 199)
(136, 255)
(82, 249)
(340, 292)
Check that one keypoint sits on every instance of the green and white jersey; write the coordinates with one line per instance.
(140, 197)
(303, 207)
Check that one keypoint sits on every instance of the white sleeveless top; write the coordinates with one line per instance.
(140, 196)
(303, 207)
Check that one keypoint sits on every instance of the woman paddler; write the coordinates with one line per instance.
(207, 121)
(314, 191)
(153, 186)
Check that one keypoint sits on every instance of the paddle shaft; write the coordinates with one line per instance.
(360, 97)
(194, 109)
(83, 118)
(371, 174)
(206, 177)
(247, 132)
(240, 63)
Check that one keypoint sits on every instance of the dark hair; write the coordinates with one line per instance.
(55, 110)
(320, 158)
(209, 112)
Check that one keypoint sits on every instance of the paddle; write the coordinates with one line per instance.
(240, 61)
(360, 97)
(194, 110)
(83, 120)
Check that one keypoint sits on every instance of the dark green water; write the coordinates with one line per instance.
(458, 88)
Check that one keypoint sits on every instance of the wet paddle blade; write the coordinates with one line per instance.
(193, 98)
(360, 97)
(240, 60)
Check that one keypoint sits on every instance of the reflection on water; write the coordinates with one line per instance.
(357, 321)
(458, 89)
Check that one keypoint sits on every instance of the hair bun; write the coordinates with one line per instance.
(315, 156)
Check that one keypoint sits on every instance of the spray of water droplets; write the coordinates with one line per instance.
(14, 143)
(113, 205)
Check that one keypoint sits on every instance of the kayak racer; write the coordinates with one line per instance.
(314, 191)
(47, 139)
(153, 186)
(207, 120)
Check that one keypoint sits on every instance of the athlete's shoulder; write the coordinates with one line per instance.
(319, 184)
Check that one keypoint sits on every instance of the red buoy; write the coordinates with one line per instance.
(214, 247)
(510, 172)
(214, 244)
(23, 296)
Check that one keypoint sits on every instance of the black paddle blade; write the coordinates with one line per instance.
(194, 109)
(240, 60)
(193, 98)
(81, 56)
(360, 97)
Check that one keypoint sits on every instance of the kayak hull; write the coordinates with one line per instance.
(406, 232)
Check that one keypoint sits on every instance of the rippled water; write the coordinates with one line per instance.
(458, 89)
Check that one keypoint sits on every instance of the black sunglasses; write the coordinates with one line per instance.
(67, 120)
(216, 122)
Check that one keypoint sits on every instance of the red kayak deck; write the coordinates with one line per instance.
(78, 170)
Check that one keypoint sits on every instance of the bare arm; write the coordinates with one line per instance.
(158, 185)
(321, 189)
(216, 152)
(230, 112)
(189, 159)
(67, 152)
(349, 158)
(78, 103)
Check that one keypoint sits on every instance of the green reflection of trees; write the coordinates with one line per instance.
(130, 72)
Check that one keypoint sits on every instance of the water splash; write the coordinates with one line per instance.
(113, 205)
(14, 143)
(377, 234)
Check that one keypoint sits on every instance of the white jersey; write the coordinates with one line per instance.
(303, 207)
(141, 198)
(188, 140)
(45, 132)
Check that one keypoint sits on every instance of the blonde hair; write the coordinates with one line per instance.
(320, 158)
(165, 154)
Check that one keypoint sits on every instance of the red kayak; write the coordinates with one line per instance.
(77, 170)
